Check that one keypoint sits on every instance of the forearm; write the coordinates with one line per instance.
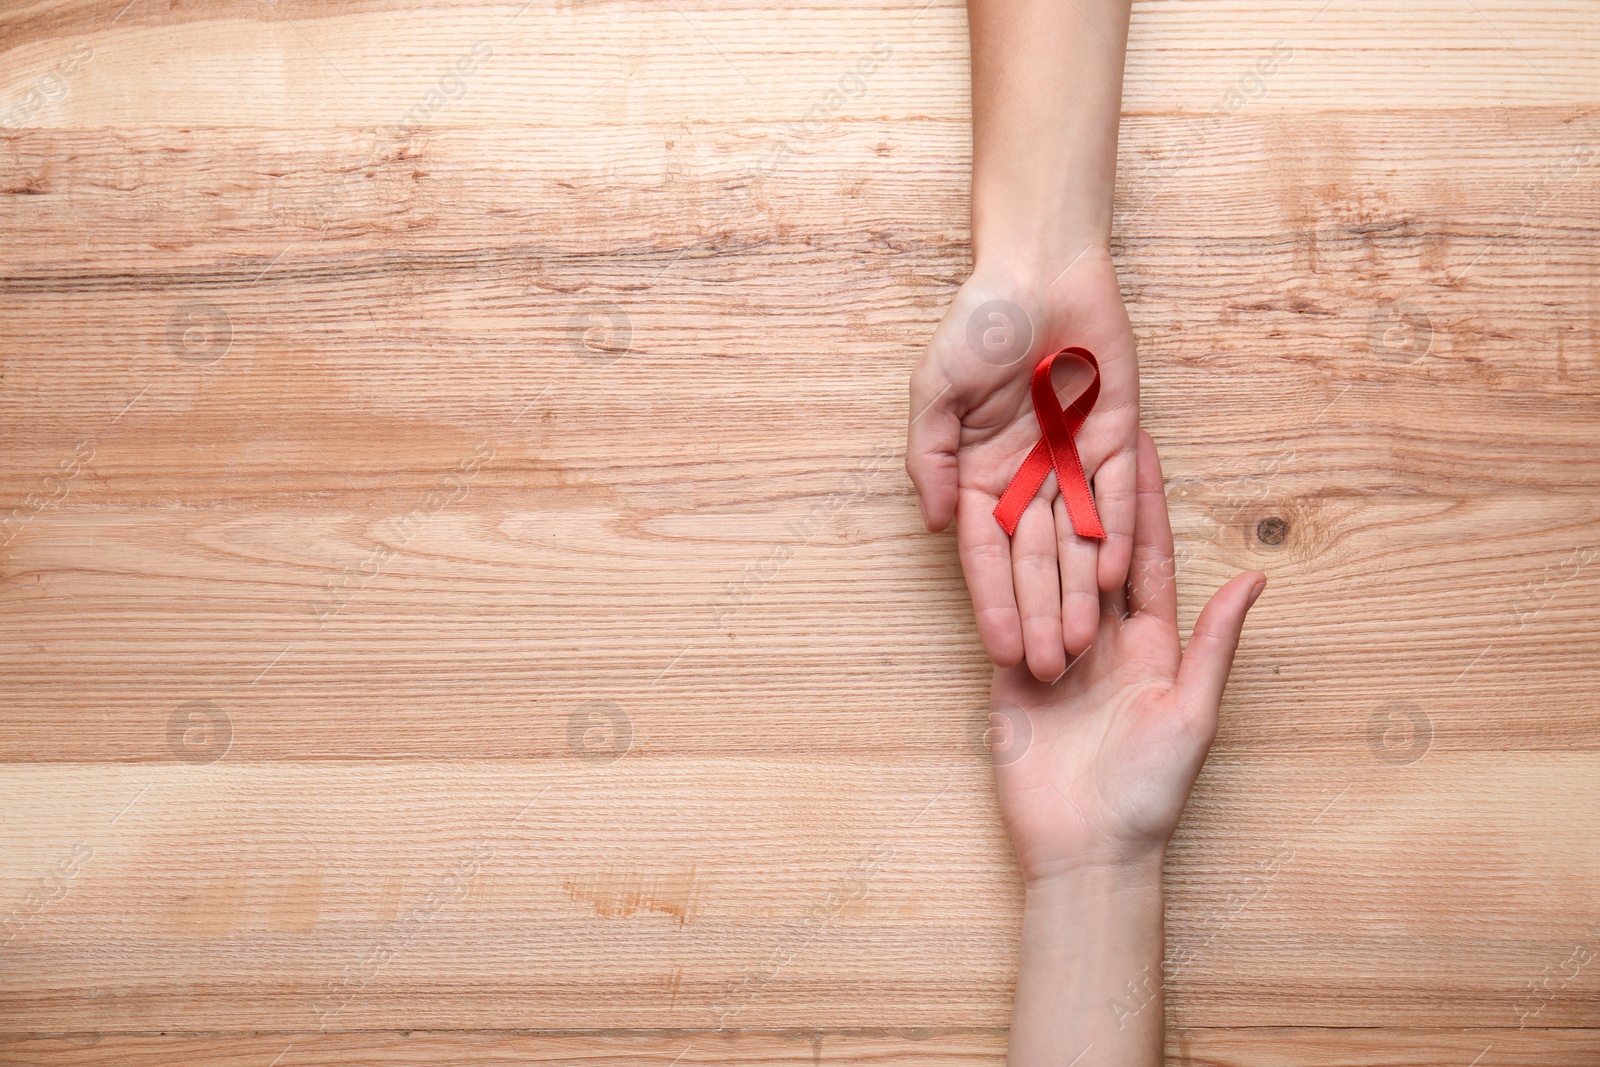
(1046, 97)
(1089, 977)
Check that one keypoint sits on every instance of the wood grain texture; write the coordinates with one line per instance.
(463, 602)
(1289, 1047)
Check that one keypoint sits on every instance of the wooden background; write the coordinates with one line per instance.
(463, 603)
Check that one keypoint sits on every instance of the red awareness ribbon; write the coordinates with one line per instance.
(1056, 451)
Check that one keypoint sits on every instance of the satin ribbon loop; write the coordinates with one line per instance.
(1057, 450)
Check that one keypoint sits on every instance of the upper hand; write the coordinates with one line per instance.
(1035, 595)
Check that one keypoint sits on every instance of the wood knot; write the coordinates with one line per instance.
(1272, 530)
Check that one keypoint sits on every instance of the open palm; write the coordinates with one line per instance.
(1097, 766)
(1036, 594)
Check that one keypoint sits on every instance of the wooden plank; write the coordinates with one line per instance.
(1195, 1047)
(616, 1048)
(1354, 1047)
(449, 287)
(577, 64)
(777, 891)
(482, 628)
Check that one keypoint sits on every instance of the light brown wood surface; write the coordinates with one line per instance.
(510, 638)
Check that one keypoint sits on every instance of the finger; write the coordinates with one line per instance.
(1204, 670)
(1152, 589)
(1038, 584)
(1080, 599)
(932, 437)
(1108, 445)
(986, 563)
(1115, 499)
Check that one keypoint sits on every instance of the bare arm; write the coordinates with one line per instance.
(1089, 976)
(1046, 94)
(1046, 98)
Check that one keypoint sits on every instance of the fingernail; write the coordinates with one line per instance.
(1254, 593)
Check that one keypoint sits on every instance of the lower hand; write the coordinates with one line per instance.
(1094, 770)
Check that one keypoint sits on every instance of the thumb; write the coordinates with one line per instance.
(932, 437)
(1204, 670)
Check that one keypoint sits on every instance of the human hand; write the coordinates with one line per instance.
(1094, 770)
(1036, 595)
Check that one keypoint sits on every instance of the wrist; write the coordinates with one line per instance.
(1089, 975)
(1130, 870)
(1043, 239)
(1034, 266)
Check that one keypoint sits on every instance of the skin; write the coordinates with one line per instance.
(1093, 772)
(1046, 98)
